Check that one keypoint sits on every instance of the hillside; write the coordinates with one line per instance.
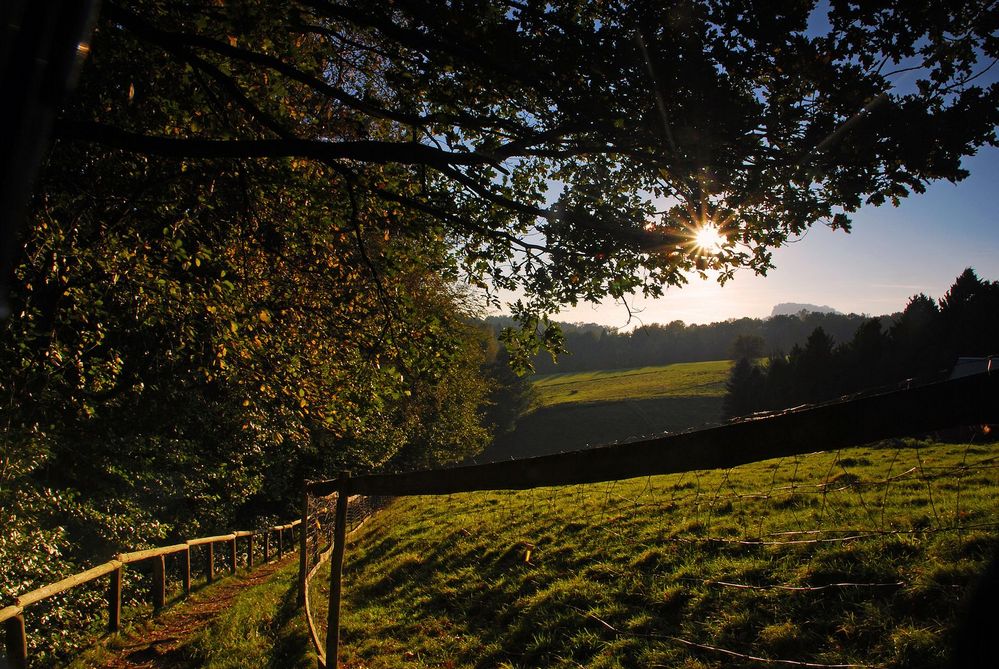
(856, 558)
(690, 379)
(577, 410)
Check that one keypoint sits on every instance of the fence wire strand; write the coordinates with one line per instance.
(321, 523)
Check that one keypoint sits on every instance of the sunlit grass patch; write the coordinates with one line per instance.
(821, 558)
(261, 626)
(685, 379)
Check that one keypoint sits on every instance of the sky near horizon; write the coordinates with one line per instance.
(891, 255)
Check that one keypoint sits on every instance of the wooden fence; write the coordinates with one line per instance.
(12, 617)
(972, 400)
(349, 514)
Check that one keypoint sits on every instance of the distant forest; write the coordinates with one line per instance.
(922, 343)
(786, 360)
(594, 347)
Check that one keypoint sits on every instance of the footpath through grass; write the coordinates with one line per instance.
(859, 557)
(249, 620)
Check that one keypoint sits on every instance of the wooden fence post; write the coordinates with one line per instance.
(211, 562)
(267, 544)
(232, 556)
(303, 540)
(280, 538)
(16, 642)
(249, 552)
(315, 544)
(186, 572)
(336, 572)
(159, 582)
(114, 601)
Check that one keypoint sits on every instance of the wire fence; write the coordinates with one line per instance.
(857, 557)
(316, 549)
(802, 539)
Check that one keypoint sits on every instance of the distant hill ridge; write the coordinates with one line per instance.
(596, 347)
(795, 308)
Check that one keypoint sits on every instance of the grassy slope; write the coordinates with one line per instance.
(611, 575)
(688, 379)
(577, 410)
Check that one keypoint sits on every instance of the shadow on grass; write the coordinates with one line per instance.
(291, 635)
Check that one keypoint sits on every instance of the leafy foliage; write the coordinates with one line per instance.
(568, 150)
(192, 338)
(591, 347)
(744, 385)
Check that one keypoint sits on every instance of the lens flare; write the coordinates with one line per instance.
(709, 239)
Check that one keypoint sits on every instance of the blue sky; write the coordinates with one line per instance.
(892, 254)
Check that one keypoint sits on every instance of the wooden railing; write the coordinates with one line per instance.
(12, 617)
(967, 401)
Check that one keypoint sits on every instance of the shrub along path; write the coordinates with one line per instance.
(246, 620)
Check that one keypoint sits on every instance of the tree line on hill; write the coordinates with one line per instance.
(591, 347)
(923, 342)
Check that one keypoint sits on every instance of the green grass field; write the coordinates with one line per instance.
(688, 379)
(578, 410)
(859, 557)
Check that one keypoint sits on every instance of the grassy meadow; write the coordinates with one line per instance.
(858, 557)
(686, 379)
(581, 409)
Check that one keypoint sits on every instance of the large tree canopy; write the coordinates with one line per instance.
(241, 259)
(564, 149)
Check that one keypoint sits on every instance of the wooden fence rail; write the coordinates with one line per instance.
(967, 401)
(972, 400)
(12, 617)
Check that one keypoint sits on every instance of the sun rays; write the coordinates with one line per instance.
(709, 239)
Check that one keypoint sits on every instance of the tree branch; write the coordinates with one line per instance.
(423, 41)
(368, 151)
(459, 223)
(147, 31)
(647, 240)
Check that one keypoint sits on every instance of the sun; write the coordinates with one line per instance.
(709, 239)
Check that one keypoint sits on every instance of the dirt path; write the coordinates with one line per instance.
(160, 644)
